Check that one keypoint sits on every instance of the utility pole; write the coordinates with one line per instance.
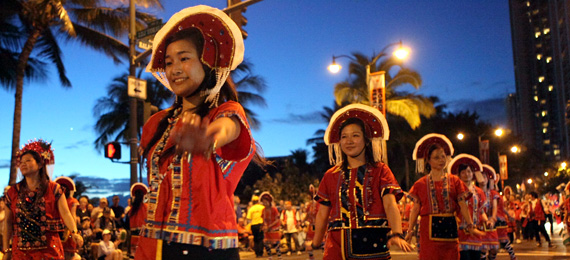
(133, 138)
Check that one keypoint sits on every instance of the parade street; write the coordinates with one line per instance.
(524, 251)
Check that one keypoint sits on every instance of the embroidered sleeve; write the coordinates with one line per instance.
(322, 196)
(414, 195)
(244, 145)
(463, 193)
(57, 192)
(389, 185)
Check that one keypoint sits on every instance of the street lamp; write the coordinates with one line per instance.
(375, 82)
(529, 181)
(545, 174)
(460, 136)
(515, 149)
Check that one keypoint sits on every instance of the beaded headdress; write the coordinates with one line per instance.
(42, 148)
(267, 195)
(67, 182)
(223, 44)
(467, 159)
(422, 149)
(376, 129)
(139, 186)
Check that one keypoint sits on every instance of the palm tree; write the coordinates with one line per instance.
(42, 22)
(399, 103)
(112, 111)
(320, 150)
(245, 83)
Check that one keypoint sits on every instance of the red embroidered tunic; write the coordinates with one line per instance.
(422, 193)
(271, 220)
(36, 223)
(356, 208)
(137, 219)
(476, 208)
(191, 199)
(491, 238)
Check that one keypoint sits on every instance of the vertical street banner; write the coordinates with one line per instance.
(484, 151)
(377, 91)
(503, 167)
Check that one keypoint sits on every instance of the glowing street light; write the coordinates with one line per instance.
(334, 67)
(563, 165)
(401, 53)
(545, 174)
(515, 149)
(499, 132)
(529, 181)
(460, 136)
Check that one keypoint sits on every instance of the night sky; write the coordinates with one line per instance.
(462, 49)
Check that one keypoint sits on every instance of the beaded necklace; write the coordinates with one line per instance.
(156, 177)
(444, 193)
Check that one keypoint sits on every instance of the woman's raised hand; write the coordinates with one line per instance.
(191, 135)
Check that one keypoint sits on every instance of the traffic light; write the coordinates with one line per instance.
(113, 150)
(238, 17)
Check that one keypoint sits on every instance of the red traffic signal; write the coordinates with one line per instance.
(113, 150)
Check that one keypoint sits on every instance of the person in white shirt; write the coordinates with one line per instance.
(107, 249)
(290, 222)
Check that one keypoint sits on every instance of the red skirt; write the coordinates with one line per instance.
(430, 249)
(272, 236)
(490, 240)
(54, 249)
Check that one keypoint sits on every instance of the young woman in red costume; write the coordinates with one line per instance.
(438, 197)
(358, 195)
(464, 166)
(36, 209)
(196, 151)
(136, 214)
(491, 238)
(69, 245)
(312, 207)
(271, 225)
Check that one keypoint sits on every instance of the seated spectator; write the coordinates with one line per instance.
(98, 211)
(105, 222)
(107, 249)
(83, 210)
(243, 235)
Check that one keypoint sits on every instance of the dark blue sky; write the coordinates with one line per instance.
(462, 49)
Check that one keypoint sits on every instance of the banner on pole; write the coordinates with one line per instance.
(377, 91)
(503, 170)
(484, 151)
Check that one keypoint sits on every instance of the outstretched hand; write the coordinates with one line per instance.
(191, 135)
(401, 243)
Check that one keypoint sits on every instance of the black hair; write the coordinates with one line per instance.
(368, 153)
(534, 194)
(43, 175)
(228, 92)
(462, 167)
(432, 148)
(136, 202)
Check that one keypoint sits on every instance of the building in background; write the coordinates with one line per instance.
(541, 44)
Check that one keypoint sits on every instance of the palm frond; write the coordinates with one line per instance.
(65, 22)
(406, 109)
(48, 48)
(114, 48)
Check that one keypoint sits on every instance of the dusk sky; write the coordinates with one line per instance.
(462, 49)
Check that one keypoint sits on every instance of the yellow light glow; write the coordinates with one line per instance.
(529, 181)
(499, 132)
(545, 174)
(334, 68)
(518, 186)
(563, 165)
(515, 149)
(401, 53)
(460, 136)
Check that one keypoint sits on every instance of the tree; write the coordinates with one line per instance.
(398, 103)
(112, 111)
(42, 22)
(246, 83)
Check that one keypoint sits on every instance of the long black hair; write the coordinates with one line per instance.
(368, 153)
(227, 93)
(136, 202)
(43, 174)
